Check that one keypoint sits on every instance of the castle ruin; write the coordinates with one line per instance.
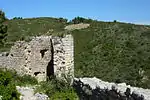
(41, 57)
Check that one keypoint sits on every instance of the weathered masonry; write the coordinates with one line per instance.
(41, 57)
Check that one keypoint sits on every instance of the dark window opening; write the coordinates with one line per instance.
(12, 55)
(29, 51)
(36, 73)
(43, 52)
(7, 54)
(63, 62)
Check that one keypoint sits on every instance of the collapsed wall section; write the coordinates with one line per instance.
(96, 89)
(41, 57)
(29, 57)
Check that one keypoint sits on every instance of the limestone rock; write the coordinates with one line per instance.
(77, 26)
(122, 87)
(27, 93)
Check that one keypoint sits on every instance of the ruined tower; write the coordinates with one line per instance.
(41, 57)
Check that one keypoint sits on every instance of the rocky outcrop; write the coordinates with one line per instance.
(97, 89)
(77, 26)
(41, 57)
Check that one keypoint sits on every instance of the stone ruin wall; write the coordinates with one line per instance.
(63, 56)
(41, 57)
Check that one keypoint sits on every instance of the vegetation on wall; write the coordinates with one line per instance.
(57, 89)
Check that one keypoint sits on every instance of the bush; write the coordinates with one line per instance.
(22, 80)
(25, 80)
(65, 95)
(56, 88)
(7, 87)
(17, 18)
(78, 20)
(115, 21)
(62, 20)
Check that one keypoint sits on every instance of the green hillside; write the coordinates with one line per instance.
(115, 52)
(111, 51)
(22, 29)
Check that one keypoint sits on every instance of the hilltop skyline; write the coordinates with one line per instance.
(135, 11)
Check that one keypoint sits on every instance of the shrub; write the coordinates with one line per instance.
(7, 87)
(20, 80)
(115, 21)
(62, 20)
(65, 95)
(17, 18)
(25, 80)
(57, 88)
(78, 20)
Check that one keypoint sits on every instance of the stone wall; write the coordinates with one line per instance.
(63, 56)
(96, 89)
(41, 57)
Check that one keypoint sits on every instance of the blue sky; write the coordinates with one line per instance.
(135, 11)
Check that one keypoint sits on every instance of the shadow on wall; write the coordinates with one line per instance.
(50, 66)
(85, 92)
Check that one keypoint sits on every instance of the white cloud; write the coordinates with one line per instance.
(143, 23)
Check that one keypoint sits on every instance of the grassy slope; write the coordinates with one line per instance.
(110, 51)
(22, 29)
(114, 52)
